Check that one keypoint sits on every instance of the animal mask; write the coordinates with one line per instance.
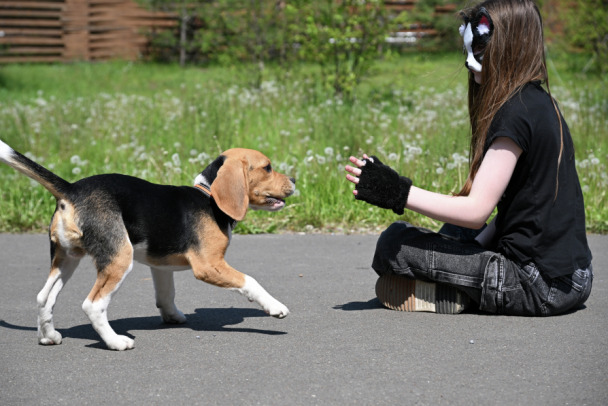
(476, 33)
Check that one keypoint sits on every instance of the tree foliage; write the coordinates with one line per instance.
(342, 37)
(587, 28)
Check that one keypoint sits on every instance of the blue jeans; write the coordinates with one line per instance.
(497, 284)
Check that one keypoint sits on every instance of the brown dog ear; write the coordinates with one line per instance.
(229, 189)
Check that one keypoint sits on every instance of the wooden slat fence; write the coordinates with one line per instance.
(73, 30)
(415, 32)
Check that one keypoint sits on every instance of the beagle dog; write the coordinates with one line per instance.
(117, 219)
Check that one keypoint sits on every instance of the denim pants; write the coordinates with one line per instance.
(497, 284)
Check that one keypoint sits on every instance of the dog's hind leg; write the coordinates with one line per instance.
(110, 275)
(62, 268)
(165, 296)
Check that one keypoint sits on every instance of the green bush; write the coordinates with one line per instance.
(587, 29)
(344, 38)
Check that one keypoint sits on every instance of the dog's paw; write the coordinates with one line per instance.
(175, 317)
(120, 343)
(277, 310)
(52, 338)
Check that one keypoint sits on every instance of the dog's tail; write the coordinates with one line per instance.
(53, 183)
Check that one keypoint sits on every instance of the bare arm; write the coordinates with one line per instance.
(470, 211)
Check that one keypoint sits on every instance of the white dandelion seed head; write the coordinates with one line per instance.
(176, 160)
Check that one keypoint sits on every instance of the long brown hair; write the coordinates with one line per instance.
(514, 56)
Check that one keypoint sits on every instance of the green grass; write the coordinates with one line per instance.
(165, 124)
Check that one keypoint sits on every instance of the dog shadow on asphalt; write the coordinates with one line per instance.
(207, 319)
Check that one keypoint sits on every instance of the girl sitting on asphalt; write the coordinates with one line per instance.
(532, 259)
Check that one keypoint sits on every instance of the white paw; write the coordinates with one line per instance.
(175, 317)
(120, 343)
(278, 310)
(52, 338)
(253, 291)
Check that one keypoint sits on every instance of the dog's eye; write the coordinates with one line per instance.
(268, 168)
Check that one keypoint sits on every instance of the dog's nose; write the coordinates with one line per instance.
(293, 180)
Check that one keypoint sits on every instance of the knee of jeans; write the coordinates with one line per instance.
(399, 233)
(388, 257)
(391, 239)
(395, 228)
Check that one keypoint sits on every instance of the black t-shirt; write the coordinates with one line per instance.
(534, 224)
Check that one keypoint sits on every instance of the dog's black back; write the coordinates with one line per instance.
(163, 220)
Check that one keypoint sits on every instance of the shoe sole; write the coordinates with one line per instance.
(411, 295)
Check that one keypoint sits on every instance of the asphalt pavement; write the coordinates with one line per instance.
(337, 347)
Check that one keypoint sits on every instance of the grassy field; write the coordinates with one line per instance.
(165, 124)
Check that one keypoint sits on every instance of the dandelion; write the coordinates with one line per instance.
(36, 127)
(41, 102)
(415, 150)
(76, 170)
(176, 161)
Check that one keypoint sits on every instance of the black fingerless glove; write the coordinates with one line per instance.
(381, 186)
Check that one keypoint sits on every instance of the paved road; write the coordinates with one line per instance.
(337, 347)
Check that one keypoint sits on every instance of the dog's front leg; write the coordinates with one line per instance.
(223, 275)
(253, 291)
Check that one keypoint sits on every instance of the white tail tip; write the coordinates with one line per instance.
(5, 151)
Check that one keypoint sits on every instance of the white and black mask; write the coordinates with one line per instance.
(476, 33)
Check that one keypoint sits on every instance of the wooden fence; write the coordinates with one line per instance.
(72, 30)
(412, 34)
(95, 30)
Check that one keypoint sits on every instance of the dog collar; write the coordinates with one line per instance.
(204, 188)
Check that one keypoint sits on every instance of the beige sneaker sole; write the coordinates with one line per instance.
(411, 295)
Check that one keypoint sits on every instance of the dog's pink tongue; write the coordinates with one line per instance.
(274, 204)
(278, 204)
